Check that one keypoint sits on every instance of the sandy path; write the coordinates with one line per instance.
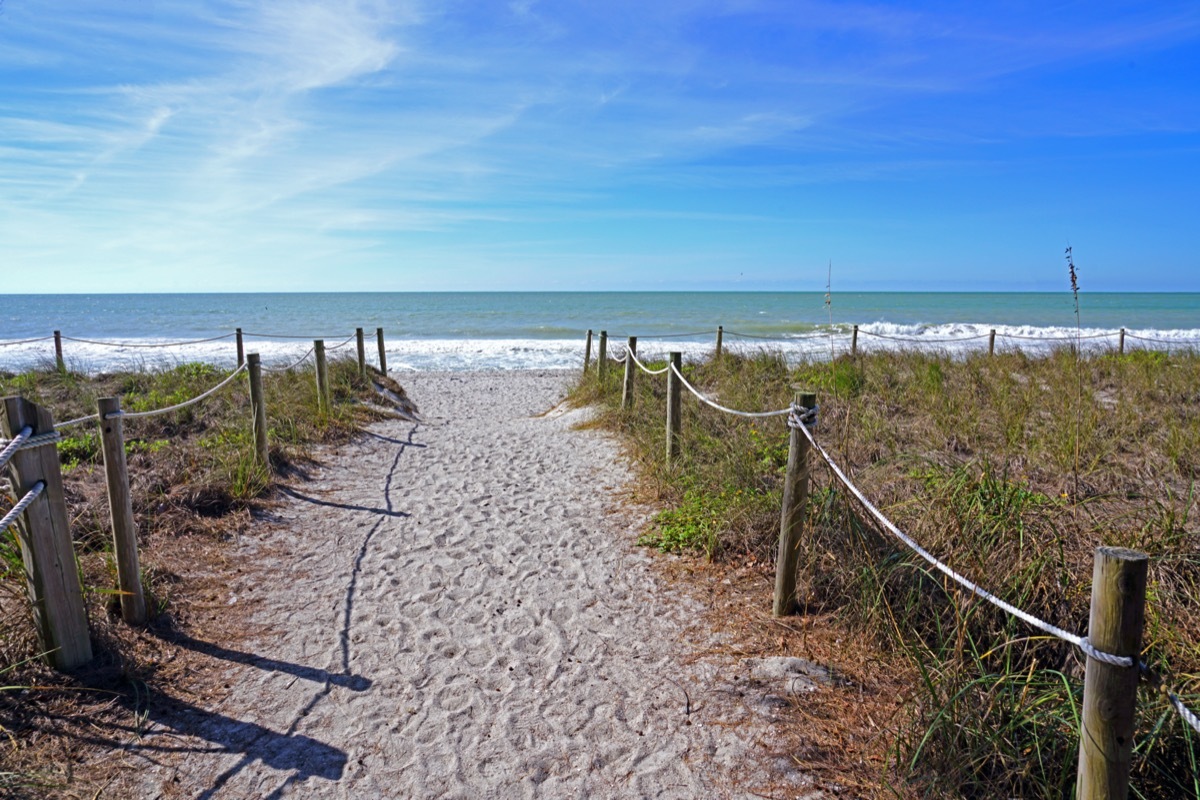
(456, 610)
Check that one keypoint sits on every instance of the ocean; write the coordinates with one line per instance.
(546, 330)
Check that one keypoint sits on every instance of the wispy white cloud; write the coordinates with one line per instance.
(251, 135)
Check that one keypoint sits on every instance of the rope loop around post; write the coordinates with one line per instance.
(801, 417)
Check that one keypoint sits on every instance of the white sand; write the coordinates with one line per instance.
(456, 610)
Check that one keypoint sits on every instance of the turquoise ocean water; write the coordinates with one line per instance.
(465, 330)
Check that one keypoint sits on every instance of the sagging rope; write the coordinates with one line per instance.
(294, 364)
(10, 343)
(343, 344)
(1079, 641)
(178, 406)
(796, 338)
(643, 367)
(735, 412)
(1129, 335)
(923, 339)
(156, 344)
(1055, 338)
(22, 504)
(282, 336)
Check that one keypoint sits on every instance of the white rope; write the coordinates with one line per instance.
(177, 406)
(343, 344)
(14, 444)
(12, 342)
(24, 441)
(644, 368)
(703, 399)
(1188, 715)
(1054, 338)
(155, 344)
(294, 364)
(1129, 335)
(1079, 641)
(797, 337)
(21, 505)
(925, 339)
(77, 421)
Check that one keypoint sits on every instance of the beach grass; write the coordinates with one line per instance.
(195, 485)
(1012, 469)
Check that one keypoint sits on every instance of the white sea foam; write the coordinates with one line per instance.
(511, 354)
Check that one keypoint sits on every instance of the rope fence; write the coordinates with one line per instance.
(46, 539)
(803, 419)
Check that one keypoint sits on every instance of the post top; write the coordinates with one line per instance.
(1122, 554)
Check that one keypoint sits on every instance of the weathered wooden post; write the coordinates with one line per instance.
(59, 364)
(258, 411)
(791, 522)
(322, 375)
(630, 371)
(854, 342)
(992, 343)
(587, 352)
(241, 348)
(362, 352)
(382, 354)
(45, 537)
(120, 511)
(720, 339)
(1121, 345)
(602, 357)
(674, 418)
(1110, 692)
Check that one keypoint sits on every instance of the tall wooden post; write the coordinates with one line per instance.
(362, 352)
(241, 348)
(587, 352)
(674, 417)
(854, 342)
(120, 511)
(382, 354)
(322, 375)
(602, 357)
(992, 343)
(630, 371)
(1110, 692)
(59, 364)
(1121, 345)
(45, 537)
(258, 411)
(791, 522)
(720, 339)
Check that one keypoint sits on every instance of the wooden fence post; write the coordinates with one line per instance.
(1110, 692)
(720, 339)
(241, 348)
(674, 419)
(602, 357)
(120, 511)
(59, 364)
(258, 411)
(45, 537)
(382, 354)
(362, 352)
(630, 371)
(794, 507)
(854, 342)
(992, 343)
(322, 375)
(587, 352)
(1121, 346)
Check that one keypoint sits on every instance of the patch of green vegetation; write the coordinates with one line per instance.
(1002, 473)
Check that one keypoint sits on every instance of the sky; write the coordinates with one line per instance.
(284, 145)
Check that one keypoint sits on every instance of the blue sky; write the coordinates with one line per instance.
(706, 144)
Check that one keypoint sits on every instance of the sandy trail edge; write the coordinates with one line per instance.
(455, 609)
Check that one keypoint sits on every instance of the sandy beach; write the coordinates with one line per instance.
(455, 608)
